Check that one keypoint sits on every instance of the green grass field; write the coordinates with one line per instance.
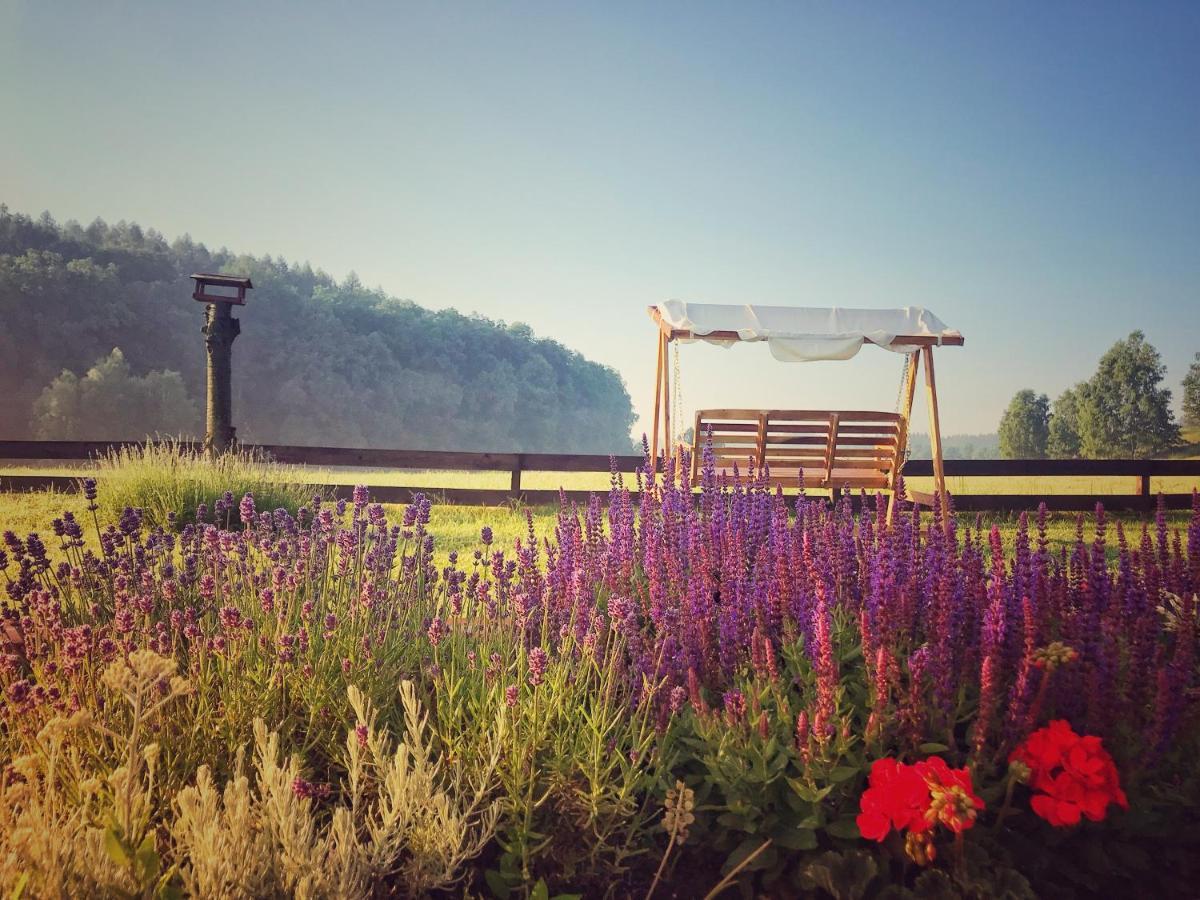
(599, 481)
(1190, 448)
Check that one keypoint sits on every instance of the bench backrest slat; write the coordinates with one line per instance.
(828, 448)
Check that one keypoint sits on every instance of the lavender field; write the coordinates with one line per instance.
(667, 696)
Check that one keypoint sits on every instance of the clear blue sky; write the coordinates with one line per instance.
(1029, 172)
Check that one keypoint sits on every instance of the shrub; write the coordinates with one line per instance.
(168, 481)
(674, 691)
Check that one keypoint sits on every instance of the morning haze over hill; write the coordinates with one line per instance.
(102, 320)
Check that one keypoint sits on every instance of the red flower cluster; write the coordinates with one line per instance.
(1071, 775)
(916, 797)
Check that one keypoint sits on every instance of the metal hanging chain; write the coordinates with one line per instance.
(903, 380)
(908, 358)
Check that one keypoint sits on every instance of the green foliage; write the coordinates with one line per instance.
(753, 784)
(111, 403)
(1125, 412)
(1191, 394)
(844, 876)
(1064, 424)
(1121, 412)
(856, 874)
(581, 771)
(1025, 427)
(318, 362)
(163, 479)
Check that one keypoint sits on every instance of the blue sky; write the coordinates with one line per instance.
(1029, 172)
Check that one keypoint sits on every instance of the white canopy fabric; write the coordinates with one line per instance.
(804, 334)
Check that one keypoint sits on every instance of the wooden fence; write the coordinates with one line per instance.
(1139, 471)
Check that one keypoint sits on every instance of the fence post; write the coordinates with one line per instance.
(1144, 492)
(515, 484)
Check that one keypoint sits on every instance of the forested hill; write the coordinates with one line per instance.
(318, 361)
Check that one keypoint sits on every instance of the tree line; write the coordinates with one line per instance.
(102, 342)
(1122, 412)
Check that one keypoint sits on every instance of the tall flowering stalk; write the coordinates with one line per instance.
(825, 708)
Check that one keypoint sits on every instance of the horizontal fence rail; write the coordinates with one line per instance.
(1143, 470)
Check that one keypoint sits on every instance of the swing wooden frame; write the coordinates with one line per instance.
(830, 449)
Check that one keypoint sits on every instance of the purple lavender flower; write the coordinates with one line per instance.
(437, 630)
(537, 666)
(207, 587)
(246, 509)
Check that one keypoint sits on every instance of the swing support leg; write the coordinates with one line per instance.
(658, 379)
(935, 435)
(669, 451)
(907, 392)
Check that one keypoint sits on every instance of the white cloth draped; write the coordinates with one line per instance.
(804, 334)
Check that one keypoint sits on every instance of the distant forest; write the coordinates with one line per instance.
(956, 446)
(101, 340)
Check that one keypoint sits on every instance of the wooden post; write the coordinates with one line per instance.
(658, 371)
(906, 401)
(935, 431)
(1144, 492)
(760, 446)
(830, 452)
(667, 435)
(514, 484)
(220, 330)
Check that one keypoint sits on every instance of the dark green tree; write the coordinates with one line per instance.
(1064, 440)
(1025, 426)
(1191, 394)
(1126, 412)
(111, 403)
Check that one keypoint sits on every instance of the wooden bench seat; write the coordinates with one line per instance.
(833, 449)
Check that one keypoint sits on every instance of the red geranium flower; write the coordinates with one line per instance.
(916, 797)
(953, 800)
(1072, 776)
(896, 797)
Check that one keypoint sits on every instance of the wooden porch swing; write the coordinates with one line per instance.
(829, 449)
